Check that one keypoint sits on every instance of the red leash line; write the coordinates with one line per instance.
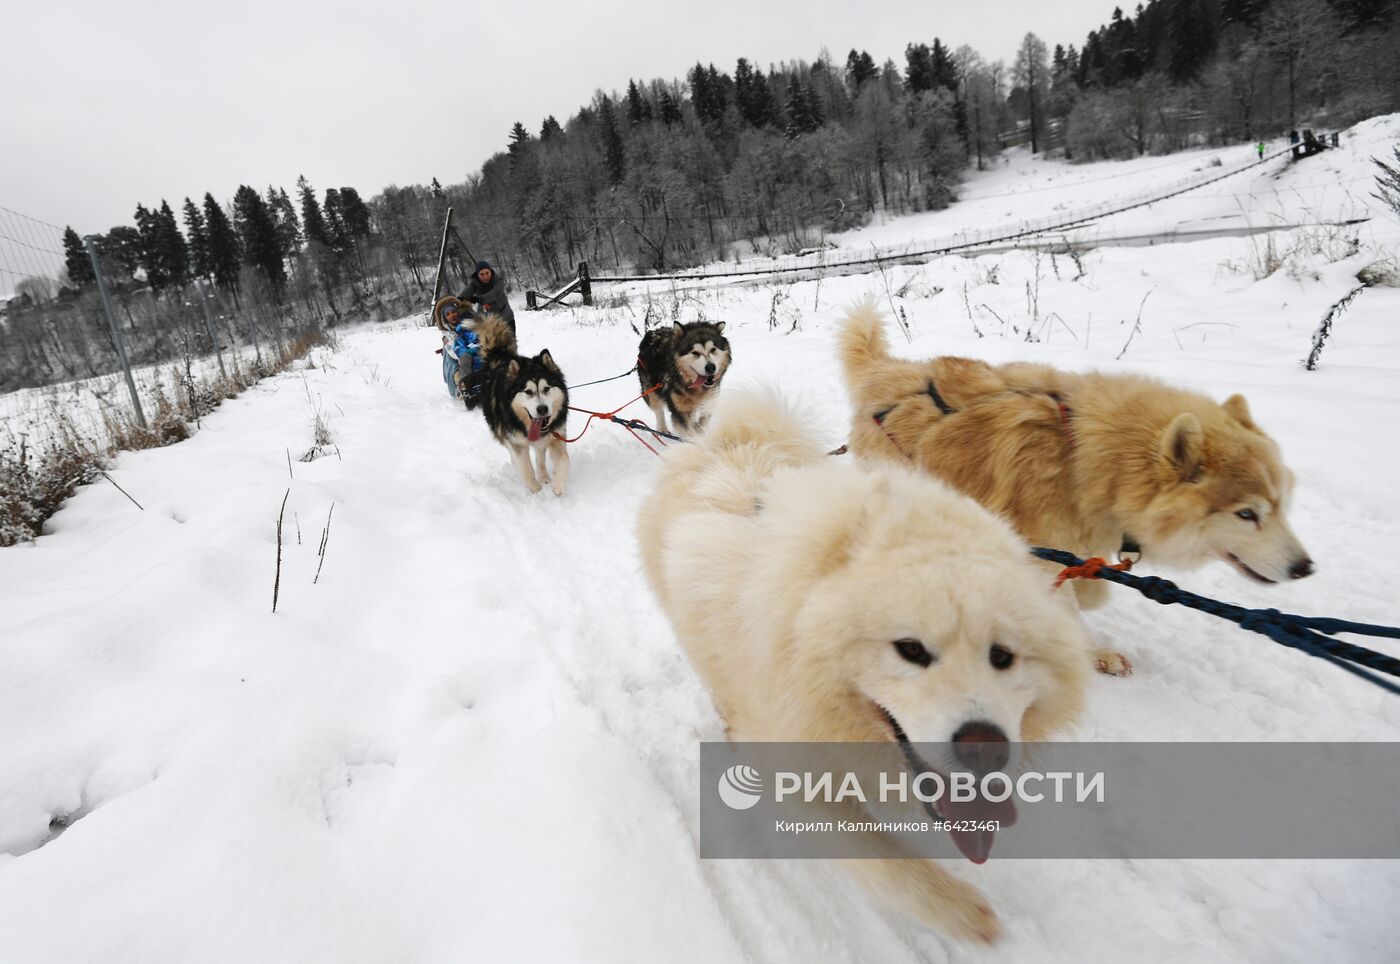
(608, 415)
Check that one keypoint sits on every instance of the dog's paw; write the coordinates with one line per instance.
(558, 487)
(533, 485)
(1112, 663)
(976, 921)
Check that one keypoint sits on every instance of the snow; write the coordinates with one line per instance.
(474, 737)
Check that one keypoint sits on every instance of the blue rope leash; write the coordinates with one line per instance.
(1303, 633)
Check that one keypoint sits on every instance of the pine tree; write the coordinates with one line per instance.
(355, 213)
(258, 233)
(860, 67)
(198, 241)
(120, 253)
(613, 155)
(638, 108)
(284, 219)
(174, 253)
(337, 238)
(943, 69)
(918, 70)
(751, 95)
(318, 245)
(76, 260)
(550, 129)
(519, 140)
(804, 112)
(225, 258)
(670, 110)
(312, 223)
(150, 252)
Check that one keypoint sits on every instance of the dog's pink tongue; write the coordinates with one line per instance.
(976, 843)
(536, 424)
(699, 380)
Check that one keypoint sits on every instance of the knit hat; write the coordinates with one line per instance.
(483, 264)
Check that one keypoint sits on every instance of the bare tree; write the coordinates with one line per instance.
(1031, 72)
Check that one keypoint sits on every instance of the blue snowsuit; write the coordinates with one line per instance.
(465, 346)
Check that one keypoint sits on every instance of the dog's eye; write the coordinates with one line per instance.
(914, 651)
(1000, 657)
(1248, 515)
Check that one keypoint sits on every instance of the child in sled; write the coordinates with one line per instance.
(461, 353)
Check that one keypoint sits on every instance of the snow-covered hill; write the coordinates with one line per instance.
(473, 736)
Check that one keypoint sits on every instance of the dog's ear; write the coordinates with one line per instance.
(719, 327)
(678, 330)
(1236, 407)
(1181, 446)
(513, 369)
(547, 360)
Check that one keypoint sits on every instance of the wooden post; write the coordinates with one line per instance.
(442, 259)
(585, 283)
(530, 300)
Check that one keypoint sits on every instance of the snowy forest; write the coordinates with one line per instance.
(720, 164)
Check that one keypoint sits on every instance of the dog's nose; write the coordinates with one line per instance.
(709, 368)
(541, 409)
(1302, 568)
(981, 745)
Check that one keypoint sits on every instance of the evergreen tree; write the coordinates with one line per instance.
(76, 260)
(119, 251)
(313, 224)
(638, 107)
(174, 253)
(942, 68)
(1190, 40)
(337, 238)
(355, 214)
(804, 111)
(613, 156)
(198, 241)
(752, 96)
(550, 129)
(225, 258)
(860, 67)
(918, 70)
(257, 231)
(707, 92)
(152, 248)
(437, 189)
(284, 219)
(519, 140)
(670, 110)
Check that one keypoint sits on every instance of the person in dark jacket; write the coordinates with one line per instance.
(487, 290)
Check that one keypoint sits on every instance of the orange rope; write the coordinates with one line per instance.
(1090, 570)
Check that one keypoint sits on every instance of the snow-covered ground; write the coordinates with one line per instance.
(473, 737)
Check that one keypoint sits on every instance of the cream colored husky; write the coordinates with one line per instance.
(824, 601)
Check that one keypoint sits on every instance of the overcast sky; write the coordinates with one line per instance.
(110, 104)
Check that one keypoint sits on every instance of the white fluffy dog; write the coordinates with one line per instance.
(823, 601)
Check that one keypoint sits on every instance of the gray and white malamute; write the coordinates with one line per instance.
(689, 361)
(526, 402)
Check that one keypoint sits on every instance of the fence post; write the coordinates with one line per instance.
(209, 329)
(585, 283)
(442, 260)
(116, 332)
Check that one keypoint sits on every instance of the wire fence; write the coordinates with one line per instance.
(31, 257)
(820, 262)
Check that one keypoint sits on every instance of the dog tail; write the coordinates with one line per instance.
(760, 418)
(497, 340)
(862, 338)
